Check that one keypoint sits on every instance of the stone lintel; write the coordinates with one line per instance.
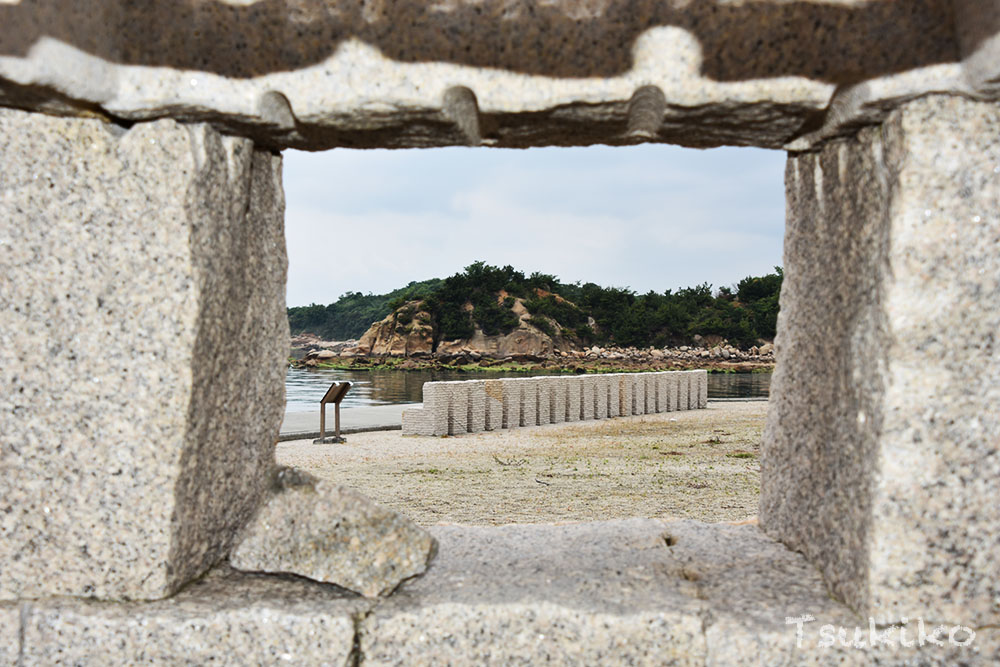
(335, 73)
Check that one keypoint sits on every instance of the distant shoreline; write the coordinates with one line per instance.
(579, 366)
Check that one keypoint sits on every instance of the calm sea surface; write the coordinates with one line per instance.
(304, 387)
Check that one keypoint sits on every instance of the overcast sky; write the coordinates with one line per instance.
(649, 217)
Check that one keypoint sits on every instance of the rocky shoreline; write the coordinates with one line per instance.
(310, 352)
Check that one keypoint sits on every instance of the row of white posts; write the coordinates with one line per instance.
(471, 406)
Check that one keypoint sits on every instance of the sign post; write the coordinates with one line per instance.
(335, 394)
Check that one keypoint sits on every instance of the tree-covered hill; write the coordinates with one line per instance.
(587, 313)
(352, 314)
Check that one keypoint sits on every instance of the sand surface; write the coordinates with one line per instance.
(699, 464)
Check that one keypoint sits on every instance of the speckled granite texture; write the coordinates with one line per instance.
(342, 73)
(880, 457)
(226, 619)
(333, 534)
(640, 592)
(10, 633)
(139, 270)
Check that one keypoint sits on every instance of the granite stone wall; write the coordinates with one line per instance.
(552, 400)
(885, 397)
(140, 272)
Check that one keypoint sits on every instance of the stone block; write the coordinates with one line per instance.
(512, 398)
(10, 633)
(332, 534)
(227, 618)
(557, 399)
(683, 389)
(651, 393)
(662, 389)
(494, 405)
(476, 420)
(614, 395)
(436, 401)
(418, 421)
(574, 398)
(529, 402)
(638, 394)
(600, 383)
(458, 407)
(588, 399)
(303, 74)
(670, 390)
(543, 405)
(694, 389)
(702, 389)
(597, 593)
(143, 344)
(885, 396)
(637, 591)
(625, 391)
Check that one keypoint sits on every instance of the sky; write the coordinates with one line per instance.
(648, 217)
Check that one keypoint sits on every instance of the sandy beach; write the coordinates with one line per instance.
(699, 464)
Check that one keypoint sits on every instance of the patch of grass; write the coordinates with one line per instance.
(741, 455)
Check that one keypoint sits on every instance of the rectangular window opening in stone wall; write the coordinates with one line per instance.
(481, 271)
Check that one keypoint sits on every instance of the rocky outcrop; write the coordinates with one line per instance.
(405, 332)
(408, 332)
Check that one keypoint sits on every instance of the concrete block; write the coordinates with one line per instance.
(512, 398)
(885, 395)
(228, 618)
(494, 405)
(137, 439)
(476, 420)
(638, 394)
(574, 398)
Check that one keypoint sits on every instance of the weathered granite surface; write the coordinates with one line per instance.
(583, 594)
(638, 591)
(880, 458)
(332, 534)
(10, 633)
(339, 73)
(228, 618)
(139, 269)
